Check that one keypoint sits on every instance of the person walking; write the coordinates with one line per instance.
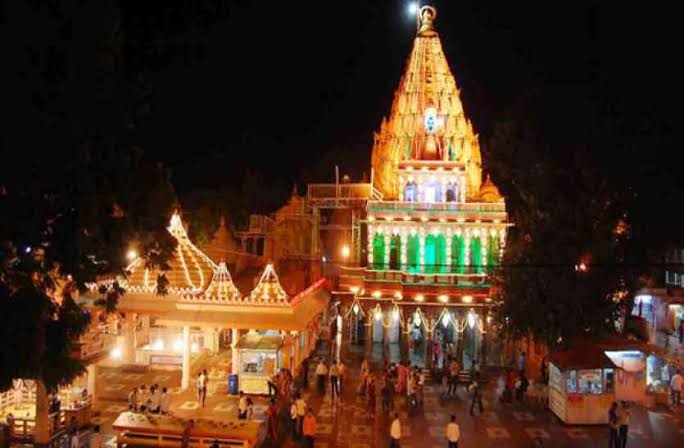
(453, 433)
(624, 414)
(199, 383)
(321, 373)
(395, 432)
(522, 362)
(204, 382)
(272, 386)
(334, 385)
(301, 413)
(293, 421)
(309, 429)
(341, 372)
(613, 425)
(95, 440)
(250, 409)
(676, 385)
(133, 400)
(272, 422)
(242, 406)
(477, 396)
(165, 405)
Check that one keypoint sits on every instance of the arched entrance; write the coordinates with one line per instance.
(417, 336)
(471, 340)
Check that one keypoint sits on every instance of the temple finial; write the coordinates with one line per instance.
(426, 17)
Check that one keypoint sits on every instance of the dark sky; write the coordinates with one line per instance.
(293, 88)
(290, 89)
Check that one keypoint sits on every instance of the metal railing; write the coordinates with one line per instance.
(406, 206)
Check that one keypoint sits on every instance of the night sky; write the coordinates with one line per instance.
(290, 89)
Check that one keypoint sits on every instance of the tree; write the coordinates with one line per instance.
(564, 272)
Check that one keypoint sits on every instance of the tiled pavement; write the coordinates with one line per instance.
(346, 423)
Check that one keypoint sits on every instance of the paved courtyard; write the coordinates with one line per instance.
(346, 423)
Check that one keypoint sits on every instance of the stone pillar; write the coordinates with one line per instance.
(42, 431)
(338, 337)
(234, 337)
(405, 341)
(92, 375)
(468, 270)
(403, 259)
(387, 237)
(429, 341)
(449, 237)
(185, 377)
(128, 340)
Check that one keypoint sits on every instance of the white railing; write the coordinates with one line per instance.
(473, 207)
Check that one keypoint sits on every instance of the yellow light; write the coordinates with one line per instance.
(424, 168)
(419, 298)
(388, 218)
(158, 345)
(398, 296)
(131, 255)
(116, 353)
(467, 299)
(443, 298)
(424, 218)
(346, 251)
(178, 345)
(194, 347)
(354, 289)
(489, 319)
(376, 294)
(407, 218)
(356, 308)
(377, 315)
(442, 220)
(461, 220)
(497, 221)
(371, 218)
(416, 319)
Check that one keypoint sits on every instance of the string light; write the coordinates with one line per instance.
(443, 298)
(467, 299)
(419, 298)
(268, 290)
(376, 294)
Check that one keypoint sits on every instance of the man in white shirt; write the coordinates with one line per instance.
(165, 404)
(676, 384)
(395, 432)
(453, 432)
(242, 407)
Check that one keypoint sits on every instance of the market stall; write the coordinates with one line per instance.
(581, 385)
(259, 358)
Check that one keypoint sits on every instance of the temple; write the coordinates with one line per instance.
(438, 231)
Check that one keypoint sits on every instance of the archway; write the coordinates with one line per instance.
(395, 252)
(440, 253)
(430, 253)
(378, 251)
(412, 253)
(458, 254)
(471, 340)
(417, 336)
(476, 255)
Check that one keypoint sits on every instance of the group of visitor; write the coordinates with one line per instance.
(281, 383)
(515, 386)
(335, 375)
(452, 432)
(156, 400)
(77, 439)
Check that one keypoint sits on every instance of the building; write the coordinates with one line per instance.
(435, 231)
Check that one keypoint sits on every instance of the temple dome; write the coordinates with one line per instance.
(489, 192)
(222, 246)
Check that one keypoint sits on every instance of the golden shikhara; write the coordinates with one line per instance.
(427, 121)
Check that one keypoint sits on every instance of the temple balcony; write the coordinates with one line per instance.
(434, 211)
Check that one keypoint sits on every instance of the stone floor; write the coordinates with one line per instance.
(346, 422)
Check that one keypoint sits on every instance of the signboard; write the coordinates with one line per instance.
(166, 360)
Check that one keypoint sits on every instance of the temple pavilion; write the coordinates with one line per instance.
(437, 233)
(164, 321)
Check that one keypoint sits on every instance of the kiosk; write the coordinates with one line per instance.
(581, 385)
(259, 358)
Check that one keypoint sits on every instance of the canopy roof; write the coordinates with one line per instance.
(268, 291)
(190, 269)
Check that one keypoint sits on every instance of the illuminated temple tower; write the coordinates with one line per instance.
(439, 231)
